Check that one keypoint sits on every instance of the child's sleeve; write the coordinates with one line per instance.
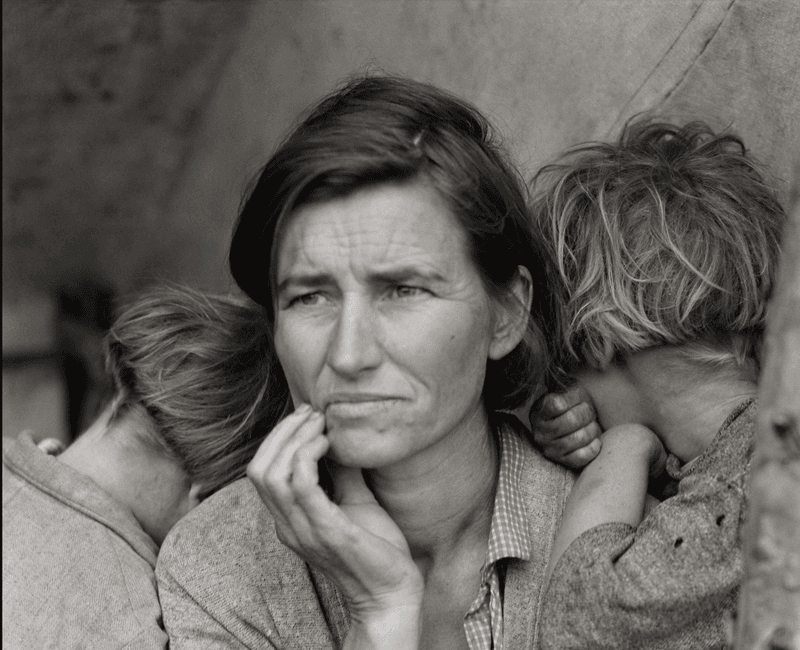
(670, 583)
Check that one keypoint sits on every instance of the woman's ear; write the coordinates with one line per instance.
(512, 317)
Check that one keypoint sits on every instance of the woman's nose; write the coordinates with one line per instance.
(354, 346)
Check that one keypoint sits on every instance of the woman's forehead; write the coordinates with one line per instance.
(379, 228)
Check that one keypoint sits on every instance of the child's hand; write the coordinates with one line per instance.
(51, 446)
(565, 427)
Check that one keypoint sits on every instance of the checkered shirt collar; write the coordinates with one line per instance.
(509, 535)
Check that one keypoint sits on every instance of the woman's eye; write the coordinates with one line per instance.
(307, 299)
(406, 291)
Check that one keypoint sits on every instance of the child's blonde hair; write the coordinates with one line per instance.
(200, 372)
(668, 237)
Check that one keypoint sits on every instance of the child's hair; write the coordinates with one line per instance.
(202, 371)
(669, 236)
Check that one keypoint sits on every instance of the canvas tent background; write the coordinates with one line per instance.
(131, 127)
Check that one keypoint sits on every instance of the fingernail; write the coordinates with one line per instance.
(303, 408)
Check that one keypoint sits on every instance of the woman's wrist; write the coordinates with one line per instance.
(394, 626)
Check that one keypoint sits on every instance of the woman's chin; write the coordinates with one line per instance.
(359, 446)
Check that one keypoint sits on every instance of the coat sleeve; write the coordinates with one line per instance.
(226, 582)
(205, 609)
(671, 582)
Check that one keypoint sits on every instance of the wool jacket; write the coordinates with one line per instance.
(78, 570)
(226, 581)
(673, 582)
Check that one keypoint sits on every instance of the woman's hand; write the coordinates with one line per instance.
(565, 428)
(355, 543)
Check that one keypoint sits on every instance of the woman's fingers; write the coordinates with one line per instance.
(305, 462)
(304, 482)
(275, 440)
(282, 464)
(271, 468)
(284, 471)
(355, 543)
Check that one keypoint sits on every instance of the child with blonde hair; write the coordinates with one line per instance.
(667, 243)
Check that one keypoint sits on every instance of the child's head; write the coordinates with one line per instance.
(196, 371)
(668, 237)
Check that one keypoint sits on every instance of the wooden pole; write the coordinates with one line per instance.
(769, 608)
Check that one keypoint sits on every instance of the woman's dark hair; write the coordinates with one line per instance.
(382, 129)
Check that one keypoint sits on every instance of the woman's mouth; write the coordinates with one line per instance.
(358, 407)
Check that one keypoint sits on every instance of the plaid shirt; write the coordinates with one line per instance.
(508, 537)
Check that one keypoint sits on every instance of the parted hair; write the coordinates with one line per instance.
(199, 370)
(670, 236)
(383, 129)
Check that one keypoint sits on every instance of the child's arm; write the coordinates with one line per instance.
(669, 582)
(565, 428)
(613, 487)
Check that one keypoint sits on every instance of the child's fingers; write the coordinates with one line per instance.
(575, 440)
(571, 430)
(51, 446)
(577, 417)
(580, 458)
(658, 461)
(553, 405)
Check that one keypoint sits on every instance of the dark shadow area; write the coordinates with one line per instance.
(85, 313)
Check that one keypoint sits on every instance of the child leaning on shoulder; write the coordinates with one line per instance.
(667, 243)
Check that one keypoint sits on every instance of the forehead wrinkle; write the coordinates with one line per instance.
(375, 247)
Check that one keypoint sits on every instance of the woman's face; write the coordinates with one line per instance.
(382, 322)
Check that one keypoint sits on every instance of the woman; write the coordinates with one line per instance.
(81, 530)
(388, 241)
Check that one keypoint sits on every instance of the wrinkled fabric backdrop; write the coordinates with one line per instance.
(131, 128)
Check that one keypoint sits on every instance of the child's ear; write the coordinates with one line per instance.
(197, 492)
(511, 319)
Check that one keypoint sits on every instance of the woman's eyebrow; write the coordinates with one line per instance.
(387, 276)
(305, 280)
(405, 273)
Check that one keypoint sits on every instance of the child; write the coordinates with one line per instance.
(667, 243)
(193, 398)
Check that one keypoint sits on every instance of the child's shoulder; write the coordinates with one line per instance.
(730, 451)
